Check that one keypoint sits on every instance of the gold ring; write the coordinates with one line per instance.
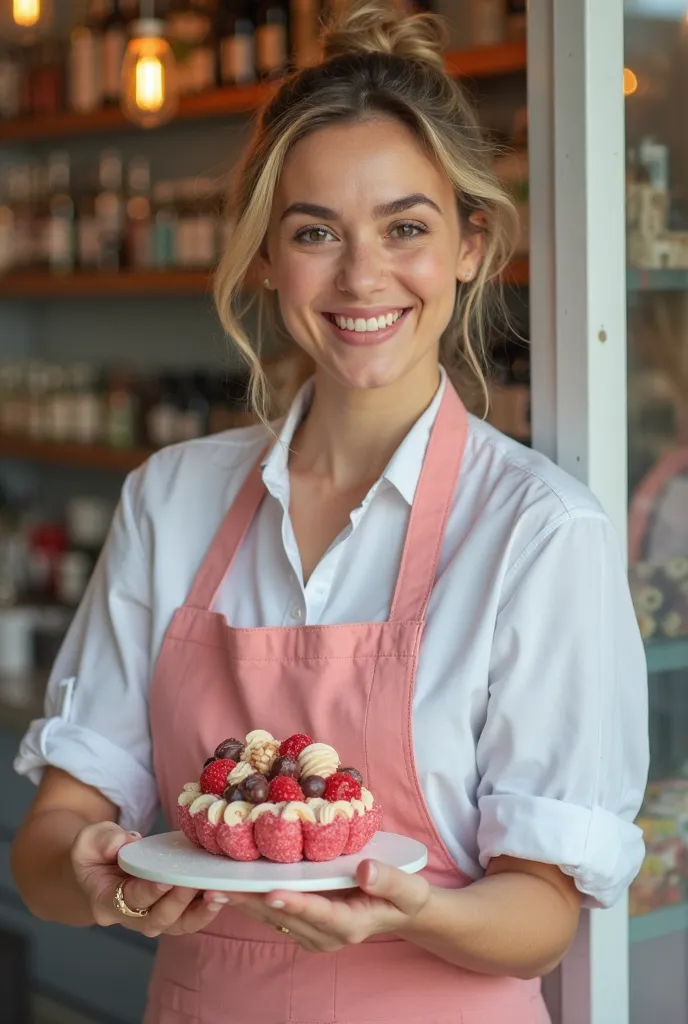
(124, 908)
(281, 928)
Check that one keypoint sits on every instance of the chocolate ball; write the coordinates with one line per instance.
(255, 789)
(313, 785)
(353, 772)
(230, 748)
(232, 794)
(209, 761)
(285, 766)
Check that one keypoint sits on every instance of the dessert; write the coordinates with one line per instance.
(285, 801)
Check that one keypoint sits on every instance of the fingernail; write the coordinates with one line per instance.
(277, 904)
(220, 900)
(136, 835)
(372, 874)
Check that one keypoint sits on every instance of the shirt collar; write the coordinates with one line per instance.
(403, 469)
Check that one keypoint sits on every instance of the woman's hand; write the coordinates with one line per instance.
(387, 900)
(173, 910)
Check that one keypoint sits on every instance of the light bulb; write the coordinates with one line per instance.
(26, 13)
(149, 79)
(630, 82)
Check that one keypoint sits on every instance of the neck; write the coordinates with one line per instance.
(350, 435)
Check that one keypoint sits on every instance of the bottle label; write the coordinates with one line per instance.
(271, 48)
(238, 59)
(87, 425)
(162, 425)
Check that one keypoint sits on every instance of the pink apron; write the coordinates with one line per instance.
(350, 686)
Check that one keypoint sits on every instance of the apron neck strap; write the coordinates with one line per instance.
(228, 539)
(430, 510)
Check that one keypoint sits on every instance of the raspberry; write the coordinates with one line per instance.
(341, 786)
(293, 746)
(284, 789)
(214, 777)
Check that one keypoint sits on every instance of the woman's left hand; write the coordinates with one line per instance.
(387, 900)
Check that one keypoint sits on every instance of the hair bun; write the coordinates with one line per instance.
(376, 26)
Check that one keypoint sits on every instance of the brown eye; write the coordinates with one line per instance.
(311, 236)
(408, 230)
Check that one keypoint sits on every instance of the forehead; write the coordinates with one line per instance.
(360, 164)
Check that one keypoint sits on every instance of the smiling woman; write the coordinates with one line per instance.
(379, 570)
(372, 163)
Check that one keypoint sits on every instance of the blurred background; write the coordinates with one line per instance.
(116, 140)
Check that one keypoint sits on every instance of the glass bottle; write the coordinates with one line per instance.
(271, 38)
(304, 24)
(165, 225)
(109, 211)
(85, 57)
(10, 72)
(114, 43)
(61, 241)
(88, 242)
(236, 44)
(120, 410)
(7, 239)
(189, 25)
(139, 227)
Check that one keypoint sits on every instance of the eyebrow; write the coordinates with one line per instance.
(395, 206)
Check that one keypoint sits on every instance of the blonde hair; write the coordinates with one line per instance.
(378, 61)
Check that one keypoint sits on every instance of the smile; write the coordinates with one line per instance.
(362, 324)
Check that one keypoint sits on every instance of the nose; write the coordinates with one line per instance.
(362, 270)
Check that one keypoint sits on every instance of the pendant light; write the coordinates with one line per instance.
(26, 13)
(149, 79)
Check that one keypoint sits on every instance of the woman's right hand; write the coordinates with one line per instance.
(172, 909)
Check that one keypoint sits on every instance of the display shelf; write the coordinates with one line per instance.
(659, 923)
(479, 62)
(34, 284)
(667, 655)
(76, 456)
(42, 285)
(656, 280)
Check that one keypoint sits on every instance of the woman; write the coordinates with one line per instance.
(392, 575)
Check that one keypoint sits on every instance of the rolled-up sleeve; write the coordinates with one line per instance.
(563, 756)
(95, 724)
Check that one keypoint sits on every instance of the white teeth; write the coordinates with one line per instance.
(373, 323)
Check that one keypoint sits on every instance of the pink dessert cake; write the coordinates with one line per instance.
(286, 801)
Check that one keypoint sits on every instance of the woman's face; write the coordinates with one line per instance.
(365, 248)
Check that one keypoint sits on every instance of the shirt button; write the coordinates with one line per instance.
(297, 612)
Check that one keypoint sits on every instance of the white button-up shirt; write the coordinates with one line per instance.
(530, 708)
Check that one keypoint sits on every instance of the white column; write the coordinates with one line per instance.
(578, 296)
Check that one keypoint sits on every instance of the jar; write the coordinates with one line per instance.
(488, 22)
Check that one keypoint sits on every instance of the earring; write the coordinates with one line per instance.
(468, 275)
(266, 282)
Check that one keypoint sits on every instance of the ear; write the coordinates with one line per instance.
(472, 248)
(261, 267)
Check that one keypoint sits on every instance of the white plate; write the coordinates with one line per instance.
(170, 858)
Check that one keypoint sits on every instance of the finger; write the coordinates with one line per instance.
(99, 844)
(409, 893)
(167, 911)
(317, 911)
(199, 915)
(142, 895)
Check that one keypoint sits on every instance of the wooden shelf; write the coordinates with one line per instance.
(76, 456)
(489, 61)
(518, 272)
(479, 62)
(34, 284)
(38, 285)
